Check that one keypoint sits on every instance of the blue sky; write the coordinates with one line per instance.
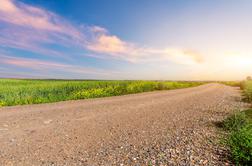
(126, 39)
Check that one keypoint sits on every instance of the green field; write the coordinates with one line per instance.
(232, 83)
(20, 92)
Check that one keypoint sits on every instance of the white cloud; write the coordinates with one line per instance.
(31, 28)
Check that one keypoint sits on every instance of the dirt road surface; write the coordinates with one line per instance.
(173, 127)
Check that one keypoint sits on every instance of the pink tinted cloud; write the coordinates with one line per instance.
(30, 28)
(108, 44)
(111, 45)
(28, 63)
(42, 65)
(27, 27)
(24, 15)
(20, 14)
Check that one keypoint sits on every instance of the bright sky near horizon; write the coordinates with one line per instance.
(126, 39)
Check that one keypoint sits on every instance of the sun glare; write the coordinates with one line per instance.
(239, 61)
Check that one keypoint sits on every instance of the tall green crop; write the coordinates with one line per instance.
(19, 92)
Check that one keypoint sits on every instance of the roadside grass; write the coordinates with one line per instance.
(235, 122)
(239, 128)
(239, 84)
(20, 92)
(239, 138)
(231, 83)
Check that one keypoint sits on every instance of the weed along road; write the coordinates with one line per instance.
(173, 127)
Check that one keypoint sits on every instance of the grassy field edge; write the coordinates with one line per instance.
(238, 129)
(22, 92)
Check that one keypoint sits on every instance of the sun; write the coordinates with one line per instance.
(240, 61)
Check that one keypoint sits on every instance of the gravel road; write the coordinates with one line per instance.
(173, 127)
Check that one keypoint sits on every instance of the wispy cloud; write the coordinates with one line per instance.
(28, 16)
(114, 47)
(31, 28)
(48, 66)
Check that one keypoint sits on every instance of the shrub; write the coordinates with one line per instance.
(160, 86)
(247, 92)
(242, 85)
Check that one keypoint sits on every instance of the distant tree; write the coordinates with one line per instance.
(249, 78)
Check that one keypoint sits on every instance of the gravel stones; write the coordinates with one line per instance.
(173, 127)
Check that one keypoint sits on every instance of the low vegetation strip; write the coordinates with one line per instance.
(239, 140)
(239, 129)
(20, 92)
